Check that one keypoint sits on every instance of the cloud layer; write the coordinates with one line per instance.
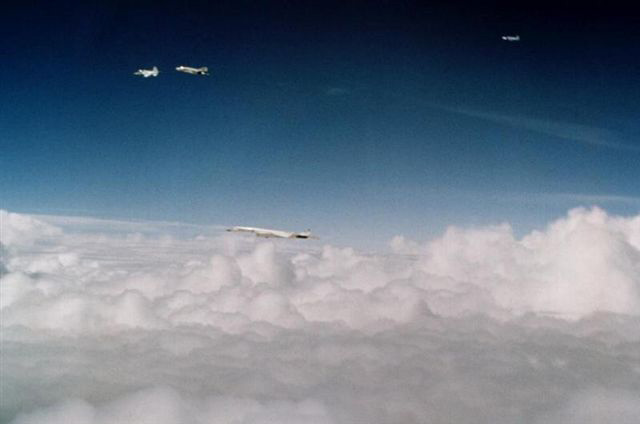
(104, 321)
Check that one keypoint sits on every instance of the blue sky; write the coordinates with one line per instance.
(350, 119)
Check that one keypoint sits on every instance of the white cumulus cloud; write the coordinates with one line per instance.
(105, 323)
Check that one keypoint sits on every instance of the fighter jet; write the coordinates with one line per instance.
(511, 38)
(266, 233)
(193, 71)
(147, 72)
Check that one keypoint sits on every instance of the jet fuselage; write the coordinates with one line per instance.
(193, 71)
(268, 233)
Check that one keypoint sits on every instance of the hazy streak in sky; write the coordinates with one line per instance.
(565, 130)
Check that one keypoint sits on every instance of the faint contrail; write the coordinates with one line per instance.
(567, 131)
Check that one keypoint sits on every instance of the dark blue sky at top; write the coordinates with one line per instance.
(345, 117)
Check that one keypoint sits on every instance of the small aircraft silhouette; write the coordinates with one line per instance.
(193, 71)
(267, 233)
(146, 73)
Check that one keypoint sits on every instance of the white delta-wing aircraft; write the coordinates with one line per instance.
(193, 71)
(153, 72)
(511, 37)
(264, 232)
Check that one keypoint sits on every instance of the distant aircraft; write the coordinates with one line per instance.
(263, 232)
(193, 71)
(511, 37)
(147, 72)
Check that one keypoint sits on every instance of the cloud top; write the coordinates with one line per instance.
(474, 326)
(585, 263)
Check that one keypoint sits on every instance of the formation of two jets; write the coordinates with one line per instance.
(153, 72)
